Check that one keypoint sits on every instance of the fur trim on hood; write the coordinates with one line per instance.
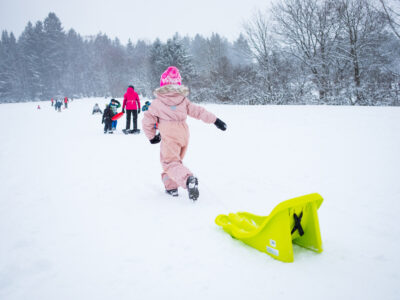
(172, 88)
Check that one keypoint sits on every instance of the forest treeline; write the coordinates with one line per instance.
(338, 52)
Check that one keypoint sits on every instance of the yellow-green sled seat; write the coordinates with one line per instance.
(292, 221)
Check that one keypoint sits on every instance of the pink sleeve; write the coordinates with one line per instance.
(124, 103)
(149, 119)
(200, 113)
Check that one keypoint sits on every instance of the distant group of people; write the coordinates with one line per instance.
(58, 103)
(130, 106)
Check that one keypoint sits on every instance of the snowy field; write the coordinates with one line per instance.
(83, 215)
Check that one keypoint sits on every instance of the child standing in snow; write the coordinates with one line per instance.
(170, 110)
(107, 115)
(114, 104)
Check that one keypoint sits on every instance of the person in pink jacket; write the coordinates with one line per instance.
(132, 105)
(170, 110)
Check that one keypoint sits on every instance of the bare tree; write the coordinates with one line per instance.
(263, 51)
(392, 14)
(310, 29)
(362, 35)
(259, 38)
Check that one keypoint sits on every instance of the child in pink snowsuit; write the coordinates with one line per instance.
(170, 110)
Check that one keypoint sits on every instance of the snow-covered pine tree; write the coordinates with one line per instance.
(198, 52)
(157, 64)
(138, 67)
(176, 54)
(240, 52)
(9, 69)
(54, 56)
(115, 62)
(98, 54)
(220, 74)
(76, 71)
(30, 48)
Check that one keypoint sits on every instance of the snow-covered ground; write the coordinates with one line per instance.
(83, 215)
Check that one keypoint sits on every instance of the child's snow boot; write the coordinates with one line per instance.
(192, 185)
(173, 192)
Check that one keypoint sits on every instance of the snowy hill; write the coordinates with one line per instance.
(83, 215)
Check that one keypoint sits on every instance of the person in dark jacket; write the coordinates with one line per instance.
(107, 115)
(58, 105)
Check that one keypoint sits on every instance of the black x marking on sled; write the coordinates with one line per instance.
(297, 225)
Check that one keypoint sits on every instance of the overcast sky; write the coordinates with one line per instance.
(144, 19)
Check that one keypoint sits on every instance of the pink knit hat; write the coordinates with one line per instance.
(171, 76)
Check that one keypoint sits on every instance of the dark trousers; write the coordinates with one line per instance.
(128, 119)
(107, 125)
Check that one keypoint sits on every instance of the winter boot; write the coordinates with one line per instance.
(192, 185)
(173, 192)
